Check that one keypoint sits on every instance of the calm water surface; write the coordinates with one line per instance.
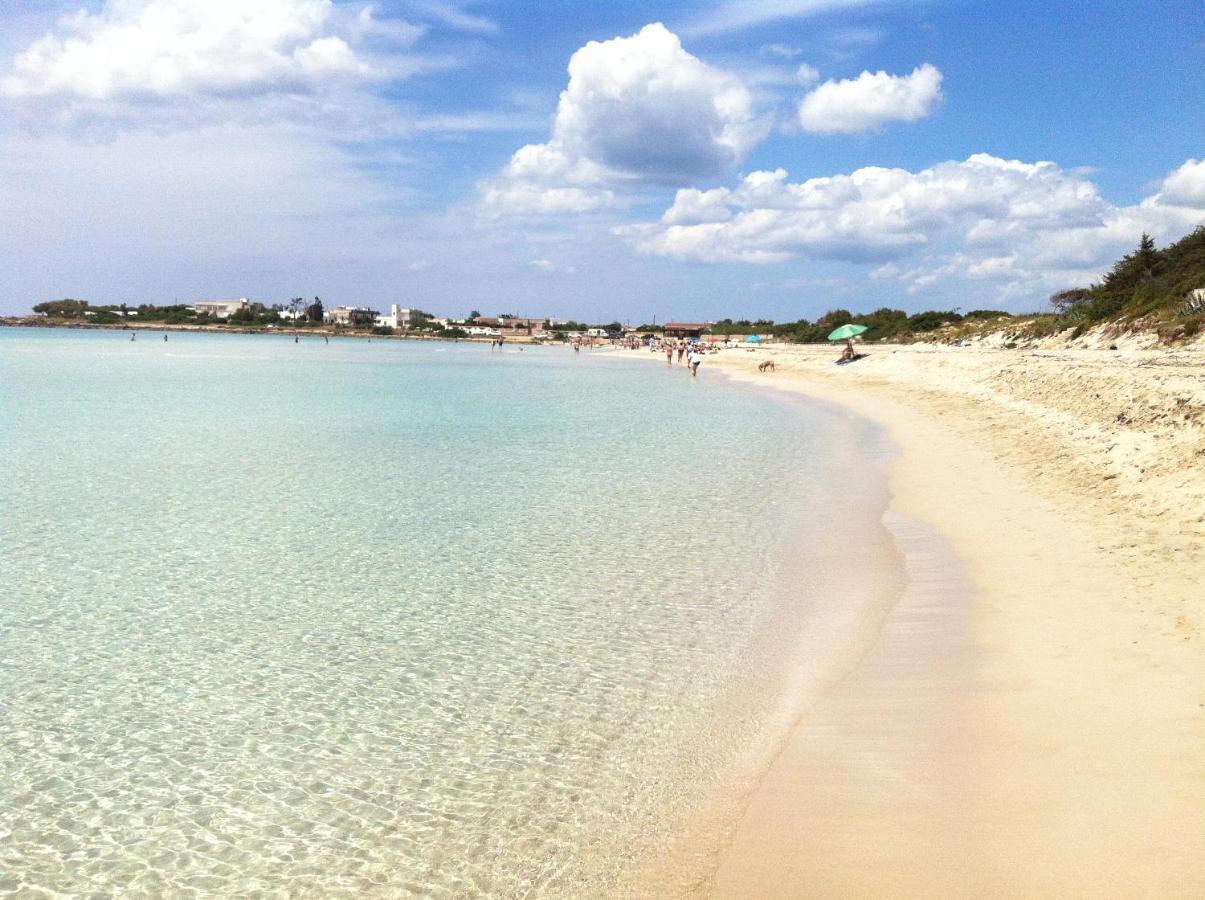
(385, 618)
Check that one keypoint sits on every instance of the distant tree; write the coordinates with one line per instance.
(65, 308)
(475, 314)
(1131, 270)
(1066, 302)
(1147, 255)
(314, 312)
(835, 318)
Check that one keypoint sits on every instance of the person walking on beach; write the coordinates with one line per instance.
(669, 353)
(694, 359)
(681, 350)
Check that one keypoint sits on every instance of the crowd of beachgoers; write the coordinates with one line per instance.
(685, 352)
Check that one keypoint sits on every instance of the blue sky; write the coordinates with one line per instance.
(765, 158)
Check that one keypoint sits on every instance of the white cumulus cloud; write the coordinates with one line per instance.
(981, 218)
(870, 100)
(167, 48)
(637, 110)
(1186, 185)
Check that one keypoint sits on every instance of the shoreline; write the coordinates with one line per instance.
(282, 331)
(1074, 763)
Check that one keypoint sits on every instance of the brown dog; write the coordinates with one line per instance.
(766, 366)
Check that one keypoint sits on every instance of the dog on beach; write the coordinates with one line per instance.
(766, 366)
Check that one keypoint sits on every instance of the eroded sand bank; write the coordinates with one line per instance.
(1047, 736)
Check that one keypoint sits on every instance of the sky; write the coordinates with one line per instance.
(622, 161)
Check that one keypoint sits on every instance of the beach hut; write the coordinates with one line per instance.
(688, 330)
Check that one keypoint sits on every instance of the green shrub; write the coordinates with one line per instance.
(932, 320)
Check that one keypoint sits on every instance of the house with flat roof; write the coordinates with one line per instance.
(350, 315)
(220, 309)
(398, 317)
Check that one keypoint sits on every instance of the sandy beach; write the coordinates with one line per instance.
(1045, 736)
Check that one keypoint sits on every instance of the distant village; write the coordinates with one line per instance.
(299, 314)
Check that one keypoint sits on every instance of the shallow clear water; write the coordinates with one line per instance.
(380, 617)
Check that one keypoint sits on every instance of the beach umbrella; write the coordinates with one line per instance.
(845, 332)
(753, 339)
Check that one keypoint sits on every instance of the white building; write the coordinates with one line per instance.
(350, 315)
(398, 317)
(221, 309)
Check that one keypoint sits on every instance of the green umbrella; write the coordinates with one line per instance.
(845, 332)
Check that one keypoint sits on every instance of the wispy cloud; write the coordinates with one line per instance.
(454, 16)
(547, 265)
(737, 15)
(482, 121)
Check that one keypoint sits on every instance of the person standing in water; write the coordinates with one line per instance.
(681, 350)
(669, 353)
(165, 339)
(694, 359)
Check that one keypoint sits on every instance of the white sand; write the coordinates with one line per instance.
(1046, 737)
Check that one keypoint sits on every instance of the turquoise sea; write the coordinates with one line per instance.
(397, 618)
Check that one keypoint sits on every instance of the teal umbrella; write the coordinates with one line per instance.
(845, 332)
(753, 339)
